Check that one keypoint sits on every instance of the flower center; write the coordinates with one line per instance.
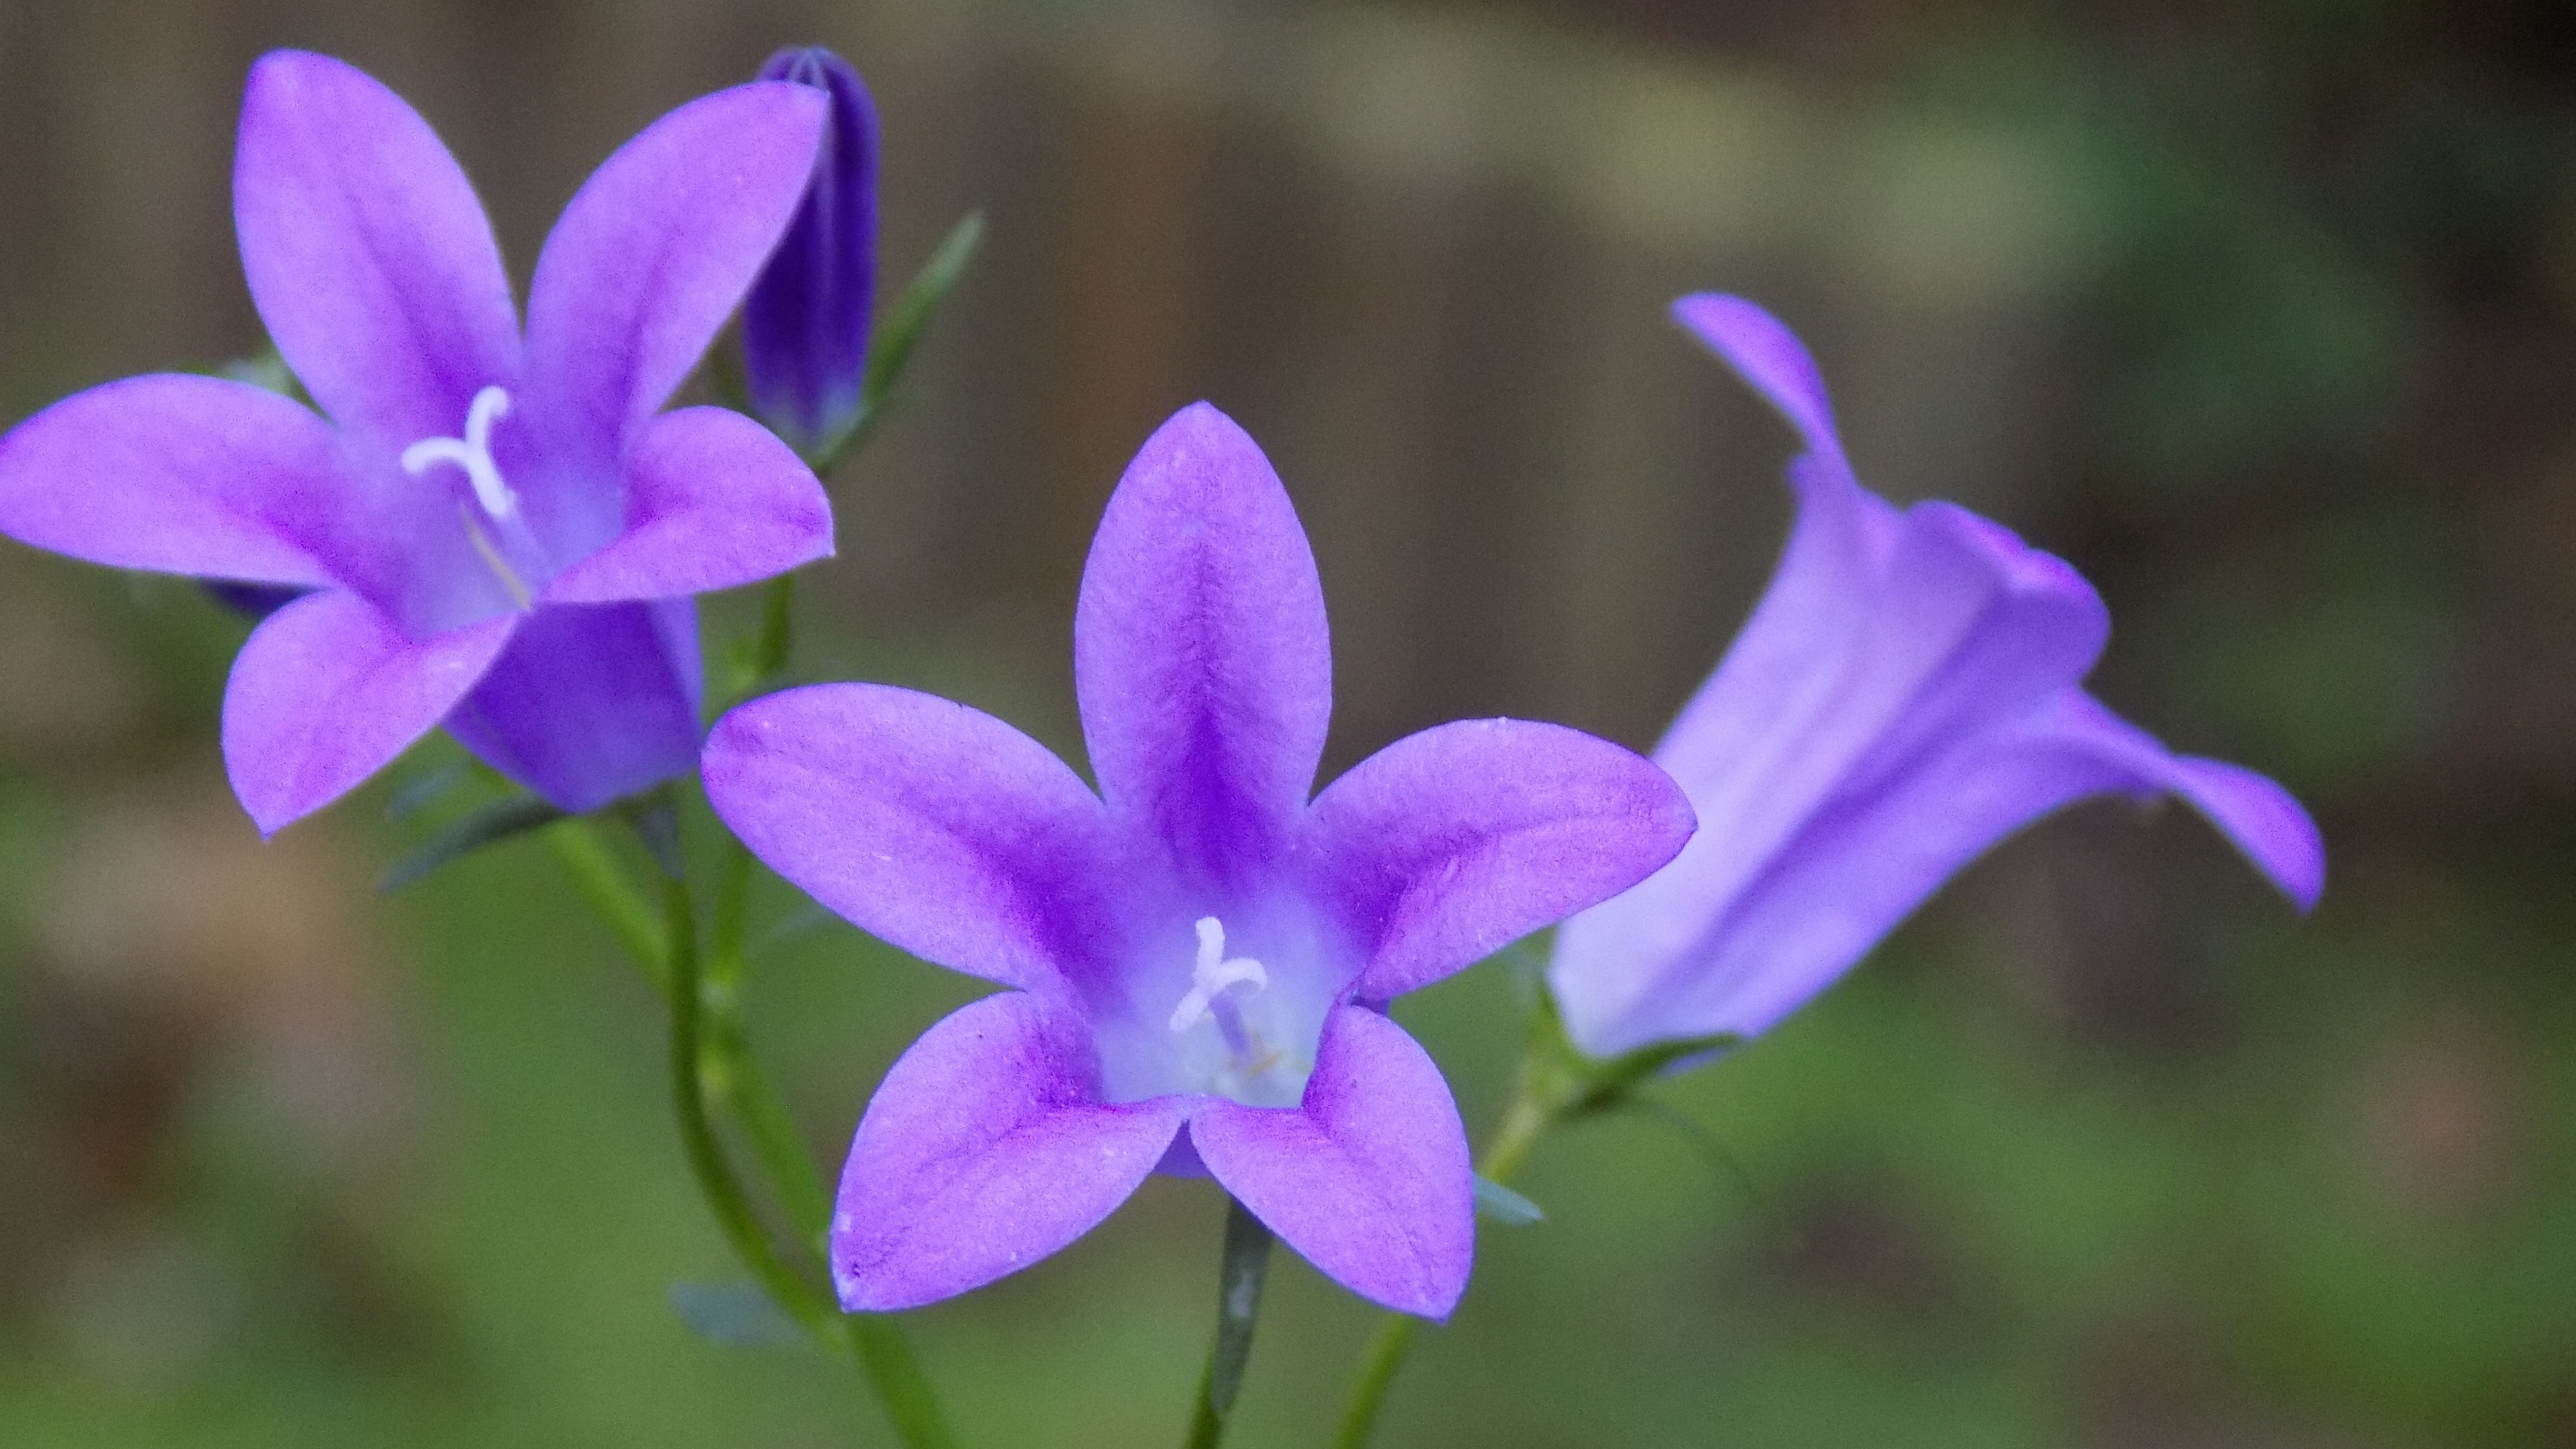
(1218, 987)
(473, 453)
(1211, 978)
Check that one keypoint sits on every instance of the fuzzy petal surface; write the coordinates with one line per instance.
(655, 251)
(328, 690)
(983, 1152)
(590, 703)
(1369, 1178)
(368, 255)
(177, 474)
(1201, 657)
(1450, 844)
(713, 501)
(928, 824)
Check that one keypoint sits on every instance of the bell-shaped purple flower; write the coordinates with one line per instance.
(805, 325)
(1200, 956)
(1907, 693)
(498, 533)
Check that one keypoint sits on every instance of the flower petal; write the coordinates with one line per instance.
(713, 501)
(1882, 638)
(982, 1152)
(1450, 844)
(1200, 651)
(1369, 1177)
(327, 691)
(655, 251)
(368, 256)
(1769, 357)
(1869, 857)
(590, 703)
(933, 826)
(177, 474)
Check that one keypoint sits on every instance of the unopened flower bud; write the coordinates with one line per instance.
(805, 324)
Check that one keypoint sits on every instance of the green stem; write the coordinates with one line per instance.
(1238, 1304)
(716, 1181)
(605, 885)
(777, 628)
(884, 1354)
(737, 1080)
(1523, 1123)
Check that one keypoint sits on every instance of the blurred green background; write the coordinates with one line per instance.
(2264, 314)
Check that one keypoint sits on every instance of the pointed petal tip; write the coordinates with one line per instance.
(1770, 359)
(1204, 423)
(2264, 821)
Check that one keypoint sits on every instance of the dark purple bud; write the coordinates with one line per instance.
(805, 325)
(252, 601)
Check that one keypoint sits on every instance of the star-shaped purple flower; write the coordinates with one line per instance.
(1907, 693)
(1198, 949)
(500, 534)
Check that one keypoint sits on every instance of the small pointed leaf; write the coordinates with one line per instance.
(890, 351)
(734, 1315)
(890, 348)
(1499, 1204)
(427, 788)
(484, 825)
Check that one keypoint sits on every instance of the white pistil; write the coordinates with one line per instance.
(473, 453)
(1213, 975)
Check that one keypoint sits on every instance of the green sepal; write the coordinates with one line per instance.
(1566, 1084)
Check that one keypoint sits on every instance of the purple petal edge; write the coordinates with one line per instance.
(1369, 1178)
(328, 691)
(981, 1153)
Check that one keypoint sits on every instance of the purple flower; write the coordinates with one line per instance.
(1196, 947)
(805, 325)
(500, 535)
(1906, 694)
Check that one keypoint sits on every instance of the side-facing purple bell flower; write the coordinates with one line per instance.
(805, 325)
(499, 534)
(1907, 693)
(1201, 957)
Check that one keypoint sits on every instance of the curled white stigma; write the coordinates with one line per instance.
(1214, 974)
(473, 453)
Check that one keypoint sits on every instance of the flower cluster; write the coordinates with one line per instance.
(495, 528)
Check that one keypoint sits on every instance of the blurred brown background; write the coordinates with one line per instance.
(2262, 314)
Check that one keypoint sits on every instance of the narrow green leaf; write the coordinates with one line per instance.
(899, 332)
(890, 350)
(427, 788)
(1497, 1203)
(734, 1315)
(468, 833)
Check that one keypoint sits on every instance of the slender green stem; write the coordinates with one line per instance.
(885, 1356)
(734, 1075)
(605, 885)
(716, 1181)
(1238, 1304)
(1523, 1123)
(777, 629)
